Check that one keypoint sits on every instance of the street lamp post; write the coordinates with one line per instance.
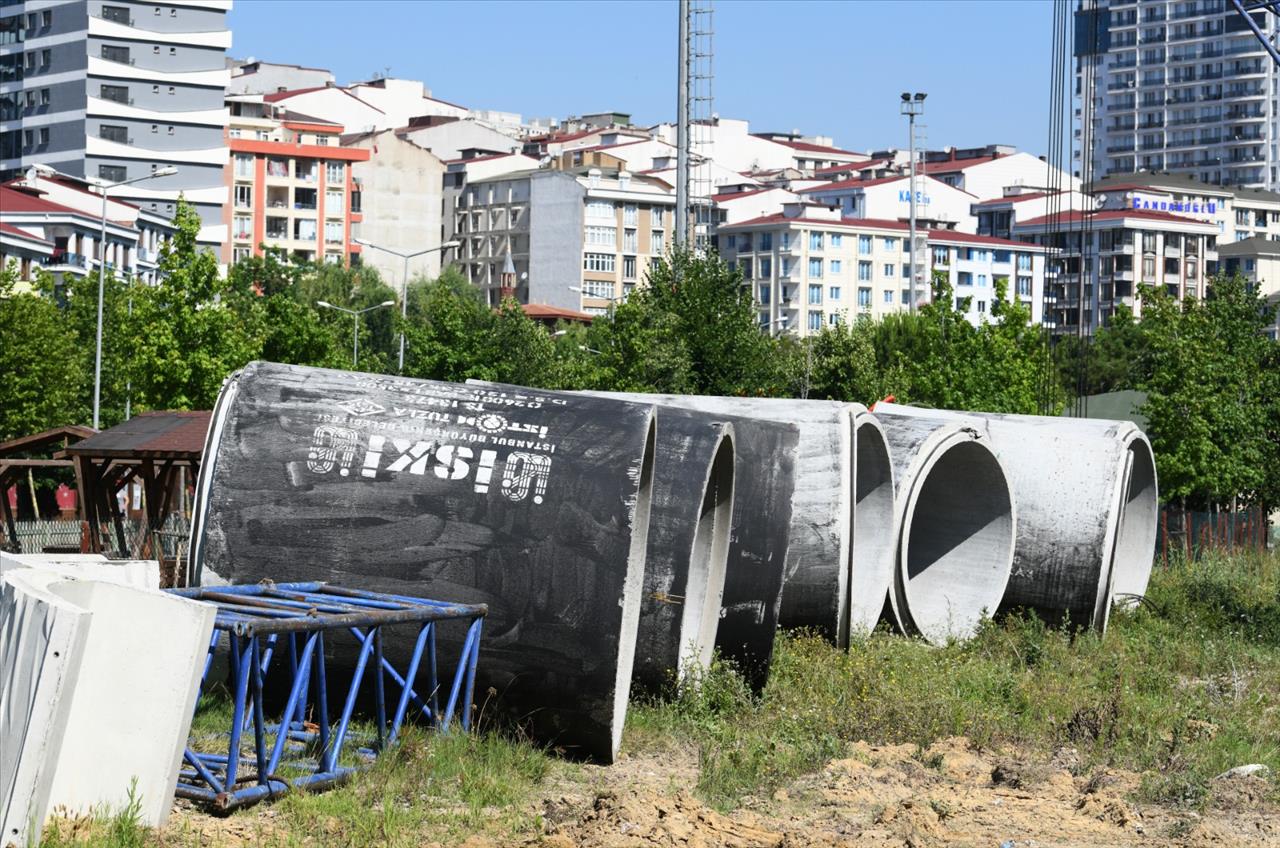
(355, 324)
(404, 279)
(913, 105)
(102, 279)
(612, 298)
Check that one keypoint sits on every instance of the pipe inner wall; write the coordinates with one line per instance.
(871, 565)
(1139, 519)
(704, 589)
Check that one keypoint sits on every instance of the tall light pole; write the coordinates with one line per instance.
(102, 277)
(913, 105)
(404, 279)
(355, 323)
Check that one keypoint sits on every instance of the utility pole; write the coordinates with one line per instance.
(912, 106)
(682, 131)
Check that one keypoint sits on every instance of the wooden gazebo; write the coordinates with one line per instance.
(156, 448)
(16, 461)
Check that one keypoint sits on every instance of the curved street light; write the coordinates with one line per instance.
(355, 323)
(404, 278)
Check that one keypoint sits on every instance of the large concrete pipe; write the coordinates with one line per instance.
(535, 503)
(687, 552)
(1087, 510)
(826, 542)
(764, 455)
(956, 523)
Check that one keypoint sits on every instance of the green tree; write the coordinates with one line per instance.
(841, 364)
(44, 381)
(1209, 403)
(192, 329)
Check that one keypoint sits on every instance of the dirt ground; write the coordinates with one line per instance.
(949, 795)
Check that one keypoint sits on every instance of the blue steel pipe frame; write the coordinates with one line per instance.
(254, 618)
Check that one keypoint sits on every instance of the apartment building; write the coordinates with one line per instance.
(1180, 86)
(116, 90)
(810, 266)
(292, 186)
(578, 241)
(938, 204)
(1238, 213)
(1124, 248)
(52, 222)
(473, 166)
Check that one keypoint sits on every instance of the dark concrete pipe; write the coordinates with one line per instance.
(824, 546)
(535, 503)
(763, 481)
(687, 552)
(956, 523)
(1087, 510)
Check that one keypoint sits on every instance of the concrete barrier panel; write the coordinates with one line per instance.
(42, 638)
(139, 573)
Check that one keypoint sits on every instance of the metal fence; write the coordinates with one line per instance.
(169, 542)
(1191, 534)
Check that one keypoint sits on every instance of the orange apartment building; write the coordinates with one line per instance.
(291, 186)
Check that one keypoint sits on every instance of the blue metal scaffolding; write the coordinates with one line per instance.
(305, 749)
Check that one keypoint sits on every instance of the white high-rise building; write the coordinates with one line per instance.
(116, 89)
(1179, 85)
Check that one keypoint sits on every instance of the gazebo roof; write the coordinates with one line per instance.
(149, 435)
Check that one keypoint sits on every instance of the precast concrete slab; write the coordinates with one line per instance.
(956, 521)
(535, 503)
(1087, 510)
(139, 573)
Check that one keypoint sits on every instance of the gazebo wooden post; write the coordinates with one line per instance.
(10, 524)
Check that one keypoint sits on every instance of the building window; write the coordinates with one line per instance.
(602, 236)
(44, 97)
(815, 321)
(243, 164)
(243, 227)
(304, 229)
(864, 271)
(277, 167)
(333, 232)
(941, 256)
(1024, 261)
(1024, 286)
(602, 262)
(766, 267)
(964, 278)
(764, 294)
(746, 269)
(30, 97)
(113, 132)
(1148, 268)
(815, 294)
(333, 203)
(629, 214)
(155, 89)
(834, 319)
(837, 241)
(335, 172)
(44, 136)
(864, 298)
(982, 281)
(833, 292)
(657, 241)
(890, 243)
(815, 268)
(46, 19)
(172, 90)
(815, 241)
(173, 51)
(114, 93)
(239, 254)
(982, 306)
(630, 240)
(155, 49)
(888, 296)
(628, 267)
(597, 288)
(112, 173)
(244, 197)
(46, 58)
(766, 241)
(655, 216)
(28, 138)
(115, 53)
(836, 265)
(888, 269)
(599, 209)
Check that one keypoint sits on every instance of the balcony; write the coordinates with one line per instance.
(63, 258)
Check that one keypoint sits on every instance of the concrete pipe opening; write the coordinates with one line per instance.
(704, 589)
(871, 563)
(633, 589)
(1136, 534)
(957, 542)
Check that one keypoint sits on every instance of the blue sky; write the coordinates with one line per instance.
(825, 68)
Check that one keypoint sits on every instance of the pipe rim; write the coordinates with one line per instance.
(708, 561)
(872, 564)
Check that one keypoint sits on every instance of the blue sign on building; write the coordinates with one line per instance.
(905, 196)
(1186, 206)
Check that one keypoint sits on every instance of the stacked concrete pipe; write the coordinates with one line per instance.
(838, 567)
(535, 503)
(764, 480)
(1087, 510)
(687, 553)
(956, 522)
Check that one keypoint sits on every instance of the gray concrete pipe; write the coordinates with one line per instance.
(838, 567)
(764, 453)
(956, 522)
(535, 503)
(687, 552)
(1087, 510)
